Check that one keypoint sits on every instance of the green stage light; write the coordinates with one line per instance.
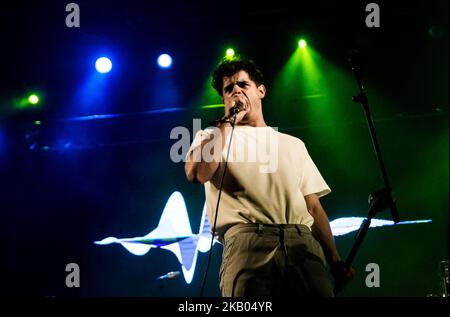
(302, 43)
(230, 53)
(33, 99)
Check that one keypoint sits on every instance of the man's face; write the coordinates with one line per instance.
(240, 87)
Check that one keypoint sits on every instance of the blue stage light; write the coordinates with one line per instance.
(164, 61)
(103, 65)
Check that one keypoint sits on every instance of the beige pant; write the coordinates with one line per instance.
(272, 260)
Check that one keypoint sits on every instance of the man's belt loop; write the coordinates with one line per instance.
(260, 228)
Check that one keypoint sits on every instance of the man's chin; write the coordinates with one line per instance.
(245, 120)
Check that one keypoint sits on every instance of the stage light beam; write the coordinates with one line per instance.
(302, 43)
(164, 61)
(103, 65)
(33, 99)
(230, 53)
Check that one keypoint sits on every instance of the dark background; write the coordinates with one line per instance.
(116, 176)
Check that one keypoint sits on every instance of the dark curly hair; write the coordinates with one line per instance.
(228, 68)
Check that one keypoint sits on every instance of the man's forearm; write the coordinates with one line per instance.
(200, 170)
(321, 230)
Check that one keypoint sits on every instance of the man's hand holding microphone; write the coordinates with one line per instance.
(236, 113)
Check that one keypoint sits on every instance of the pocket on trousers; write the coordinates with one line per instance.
(227, 251)
(318, 250)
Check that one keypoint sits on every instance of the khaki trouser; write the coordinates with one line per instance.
(272, 260)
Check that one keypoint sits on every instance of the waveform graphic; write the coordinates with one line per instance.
(344, 225)
(173, 233)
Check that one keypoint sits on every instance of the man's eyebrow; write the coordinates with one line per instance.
(237, 82)
(228, 86)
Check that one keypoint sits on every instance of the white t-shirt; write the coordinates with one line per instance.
(269, 189)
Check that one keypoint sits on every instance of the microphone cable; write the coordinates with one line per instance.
(217, 206)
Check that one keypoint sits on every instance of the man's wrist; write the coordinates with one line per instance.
(338, 268)
(224, 121)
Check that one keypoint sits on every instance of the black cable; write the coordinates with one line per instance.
(217, 207)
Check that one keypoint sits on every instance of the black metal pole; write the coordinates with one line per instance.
(362, 98)
(380, 199)
(358, 240)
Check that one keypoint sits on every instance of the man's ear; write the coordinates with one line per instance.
(261, 91)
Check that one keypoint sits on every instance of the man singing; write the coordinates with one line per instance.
(276, 235)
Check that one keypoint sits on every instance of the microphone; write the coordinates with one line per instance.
(238, 107)
(174, 274)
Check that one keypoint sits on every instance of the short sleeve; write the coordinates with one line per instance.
(198, 139)
(312, 181)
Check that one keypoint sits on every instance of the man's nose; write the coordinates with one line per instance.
(236, 90)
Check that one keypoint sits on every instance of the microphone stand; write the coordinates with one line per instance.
(379, 200)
